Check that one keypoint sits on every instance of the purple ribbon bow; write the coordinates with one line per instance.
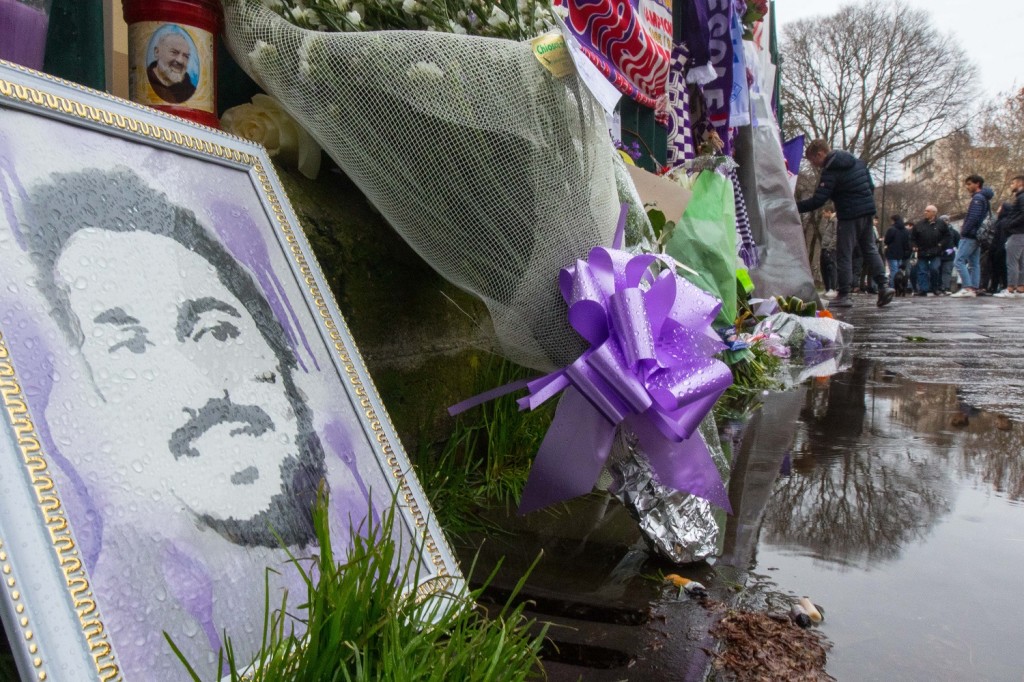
(650, 365)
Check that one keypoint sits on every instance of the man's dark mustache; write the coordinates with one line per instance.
(253, 421)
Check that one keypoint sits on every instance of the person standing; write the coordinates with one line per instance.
(846, 181)
(1014, 229)
(951, 239)
(897, 247)
(930, 238)
(997, 250)
(968, 252)
(828, 251)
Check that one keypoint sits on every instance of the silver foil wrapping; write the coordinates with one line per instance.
(794, 329)
(681, 527)
(820, 345)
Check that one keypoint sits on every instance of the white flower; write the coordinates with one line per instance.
(425, 71)
(455, 28)
(522, 6)
(263, 53)
(354, 18)
(411, 7)
(498, 17)
(275, 5)
(305, 16)
(342, 5)
(303, 53)
(266, 123)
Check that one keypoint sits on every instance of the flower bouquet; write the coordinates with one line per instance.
(496, 171)
(500, 173)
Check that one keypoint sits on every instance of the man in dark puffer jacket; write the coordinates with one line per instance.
(846, 181)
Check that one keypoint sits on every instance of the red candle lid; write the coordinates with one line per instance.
(204, 14)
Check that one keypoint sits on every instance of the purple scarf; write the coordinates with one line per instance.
(680, 131)
(718, 93)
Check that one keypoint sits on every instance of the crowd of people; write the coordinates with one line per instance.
(987, 251)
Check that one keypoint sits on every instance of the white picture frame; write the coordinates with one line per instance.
(135, 250)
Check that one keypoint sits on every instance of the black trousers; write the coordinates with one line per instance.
(861, 233)
(828, 269)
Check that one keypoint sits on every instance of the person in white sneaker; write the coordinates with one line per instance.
(968, 253)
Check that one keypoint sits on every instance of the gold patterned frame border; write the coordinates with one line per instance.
(57, 527)
(63, 544)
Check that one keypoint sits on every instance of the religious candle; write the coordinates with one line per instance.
(172, 56)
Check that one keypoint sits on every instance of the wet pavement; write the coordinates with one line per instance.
(908, 529)
(971, 343)
(892, 494)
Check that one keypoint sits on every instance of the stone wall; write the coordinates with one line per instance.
(421, 338)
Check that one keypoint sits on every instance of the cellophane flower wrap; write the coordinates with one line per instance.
(500, 174)
(495, 171)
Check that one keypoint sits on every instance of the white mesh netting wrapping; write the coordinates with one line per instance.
(497, 173)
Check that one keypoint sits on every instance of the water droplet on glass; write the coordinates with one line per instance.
(81, 283)
(137, 466)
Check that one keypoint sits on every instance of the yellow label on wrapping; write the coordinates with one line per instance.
(170, 64)
(551, 51)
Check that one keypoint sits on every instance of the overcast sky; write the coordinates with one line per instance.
(992, 32)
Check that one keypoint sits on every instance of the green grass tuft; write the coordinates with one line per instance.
(361, 622)
(486, 460)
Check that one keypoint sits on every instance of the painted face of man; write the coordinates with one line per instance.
(183, 372)
(172, 53)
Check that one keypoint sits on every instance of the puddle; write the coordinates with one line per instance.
(900, 510)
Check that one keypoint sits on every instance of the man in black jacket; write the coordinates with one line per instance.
(897, 245)
(846, 181)
(931, 237)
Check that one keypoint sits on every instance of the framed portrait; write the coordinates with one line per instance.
(177, 385)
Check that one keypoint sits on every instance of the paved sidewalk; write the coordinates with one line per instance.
(976, 344)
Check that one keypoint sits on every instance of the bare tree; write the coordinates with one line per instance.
(906, 199)
(1001, 127)
(875, 78)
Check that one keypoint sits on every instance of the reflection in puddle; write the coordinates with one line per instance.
(898, 508)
